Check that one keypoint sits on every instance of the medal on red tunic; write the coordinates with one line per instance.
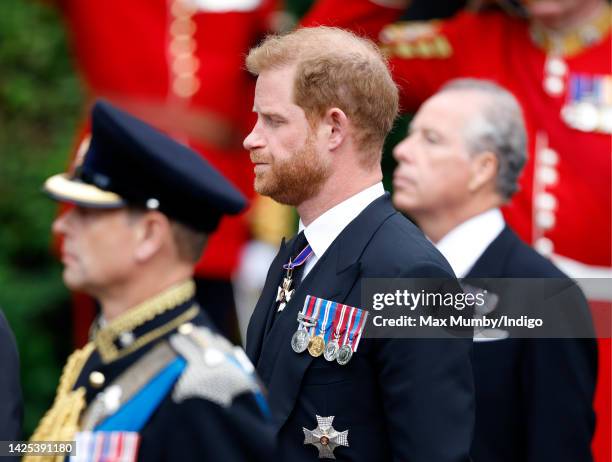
(589, 103)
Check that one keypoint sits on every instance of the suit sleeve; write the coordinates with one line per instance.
(428, 394)
(11, 407)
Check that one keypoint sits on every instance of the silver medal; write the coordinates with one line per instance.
(331, 350)
(299, 341)
(344, 354)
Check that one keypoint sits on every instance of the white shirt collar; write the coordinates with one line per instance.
(326, 228)
(464, 245)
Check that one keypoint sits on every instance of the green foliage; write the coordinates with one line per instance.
(40, 102)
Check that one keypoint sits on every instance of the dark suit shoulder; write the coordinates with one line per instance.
(520, 260)
(399, 248)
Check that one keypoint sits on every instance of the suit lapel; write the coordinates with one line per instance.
(264, 311)
(333, 277)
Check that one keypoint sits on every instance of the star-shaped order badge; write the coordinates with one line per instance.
(325, 437)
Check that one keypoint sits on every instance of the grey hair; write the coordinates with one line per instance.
(498, 128)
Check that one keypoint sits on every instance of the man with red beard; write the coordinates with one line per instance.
(557, 61)
(323, 113)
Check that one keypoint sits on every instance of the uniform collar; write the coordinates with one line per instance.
(575, 40)
(464, 245)
(326, 228)
(146, 322)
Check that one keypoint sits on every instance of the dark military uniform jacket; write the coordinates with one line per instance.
(160, 385)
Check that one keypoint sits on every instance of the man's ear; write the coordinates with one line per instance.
(484, 170)
(336, 125)
(152, 230)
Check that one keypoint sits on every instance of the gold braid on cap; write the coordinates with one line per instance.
(61, 422)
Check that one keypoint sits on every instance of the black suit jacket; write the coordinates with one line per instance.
(11, 407)
(400, 400)
(533, 396)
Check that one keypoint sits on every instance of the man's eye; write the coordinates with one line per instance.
(430, 137)
(272, 121)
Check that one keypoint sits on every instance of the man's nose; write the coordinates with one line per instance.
(60, 224)
(402, 152)
(253, 140)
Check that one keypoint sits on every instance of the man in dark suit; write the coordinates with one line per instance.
(325, 102)
(155, 382)
(460, 161)
(11, 408)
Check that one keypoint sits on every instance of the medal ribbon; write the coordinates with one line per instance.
(328, 317)
(317, 309)
(308, 306)
(349, 323)
(337, 325)
(302, 257)
(307, 309)
(354, 325)
(360, 330)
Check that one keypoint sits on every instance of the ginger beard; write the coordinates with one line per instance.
(294, 179)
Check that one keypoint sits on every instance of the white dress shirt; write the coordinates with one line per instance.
(464, 244)
(326, 228)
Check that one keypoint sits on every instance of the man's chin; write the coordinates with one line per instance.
(72, 282)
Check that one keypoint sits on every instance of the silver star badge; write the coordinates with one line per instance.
(325, 437)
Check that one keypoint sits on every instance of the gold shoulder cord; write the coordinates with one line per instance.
(60, 423)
